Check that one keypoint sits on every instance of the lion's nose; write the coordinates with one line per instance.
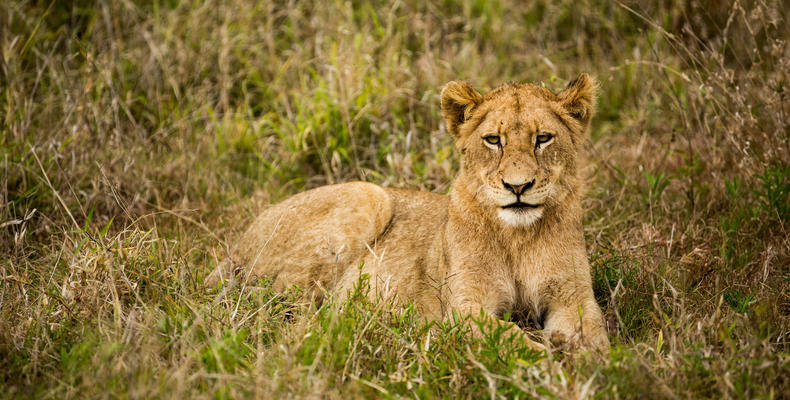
(518, 190)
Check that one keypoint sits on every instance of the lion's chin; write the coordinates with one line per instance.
(520, 218)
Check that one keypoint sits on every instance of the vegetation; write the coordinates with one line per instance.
(138, 137)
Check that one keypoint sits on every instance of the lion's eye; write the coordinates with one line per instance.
(492, 139)
(543, 138)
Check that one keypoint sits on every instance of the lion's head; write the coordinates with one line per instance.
(519, 145)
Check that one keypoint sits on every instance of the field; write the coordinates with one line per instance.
(139, 137)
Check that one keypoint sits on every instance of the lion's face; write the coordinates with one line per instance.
(518, 145)
(520, 160)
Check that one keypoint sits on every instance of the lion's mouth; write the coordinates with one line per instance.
(520, 206)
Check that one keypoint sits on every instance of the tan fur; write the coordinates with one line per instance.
(462, 251)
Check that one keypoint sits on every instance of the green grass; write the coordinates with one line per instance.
(138, 138)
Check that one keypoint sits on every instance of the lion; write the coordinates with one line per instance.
(506, 239)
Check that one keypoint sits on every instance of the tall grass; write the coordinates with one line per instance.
(140, 137)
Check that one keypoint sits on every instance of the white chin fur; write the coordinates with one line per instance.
(522, 218)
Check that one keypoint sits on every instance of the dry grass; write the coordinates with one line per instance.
(139, 137)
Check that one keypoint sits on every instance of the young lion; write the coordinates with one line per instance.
(508, 237)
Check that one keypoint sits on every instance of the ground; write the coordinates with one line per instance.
(139, 137)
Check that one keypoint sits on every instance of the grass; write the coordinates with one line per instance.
(140, 137)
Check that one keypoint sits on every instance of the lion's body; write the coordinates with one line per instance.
(507, 238)
(319, 239)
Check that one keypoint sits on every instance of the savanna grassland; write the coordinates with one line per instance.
(138, 138)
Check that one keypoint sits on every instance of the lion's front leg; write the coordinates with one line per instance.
(472, 293)
(574, 319)
(490, 321)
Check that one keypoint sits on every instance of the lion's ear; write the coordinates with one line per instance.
(458, 100)
(578, 99)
